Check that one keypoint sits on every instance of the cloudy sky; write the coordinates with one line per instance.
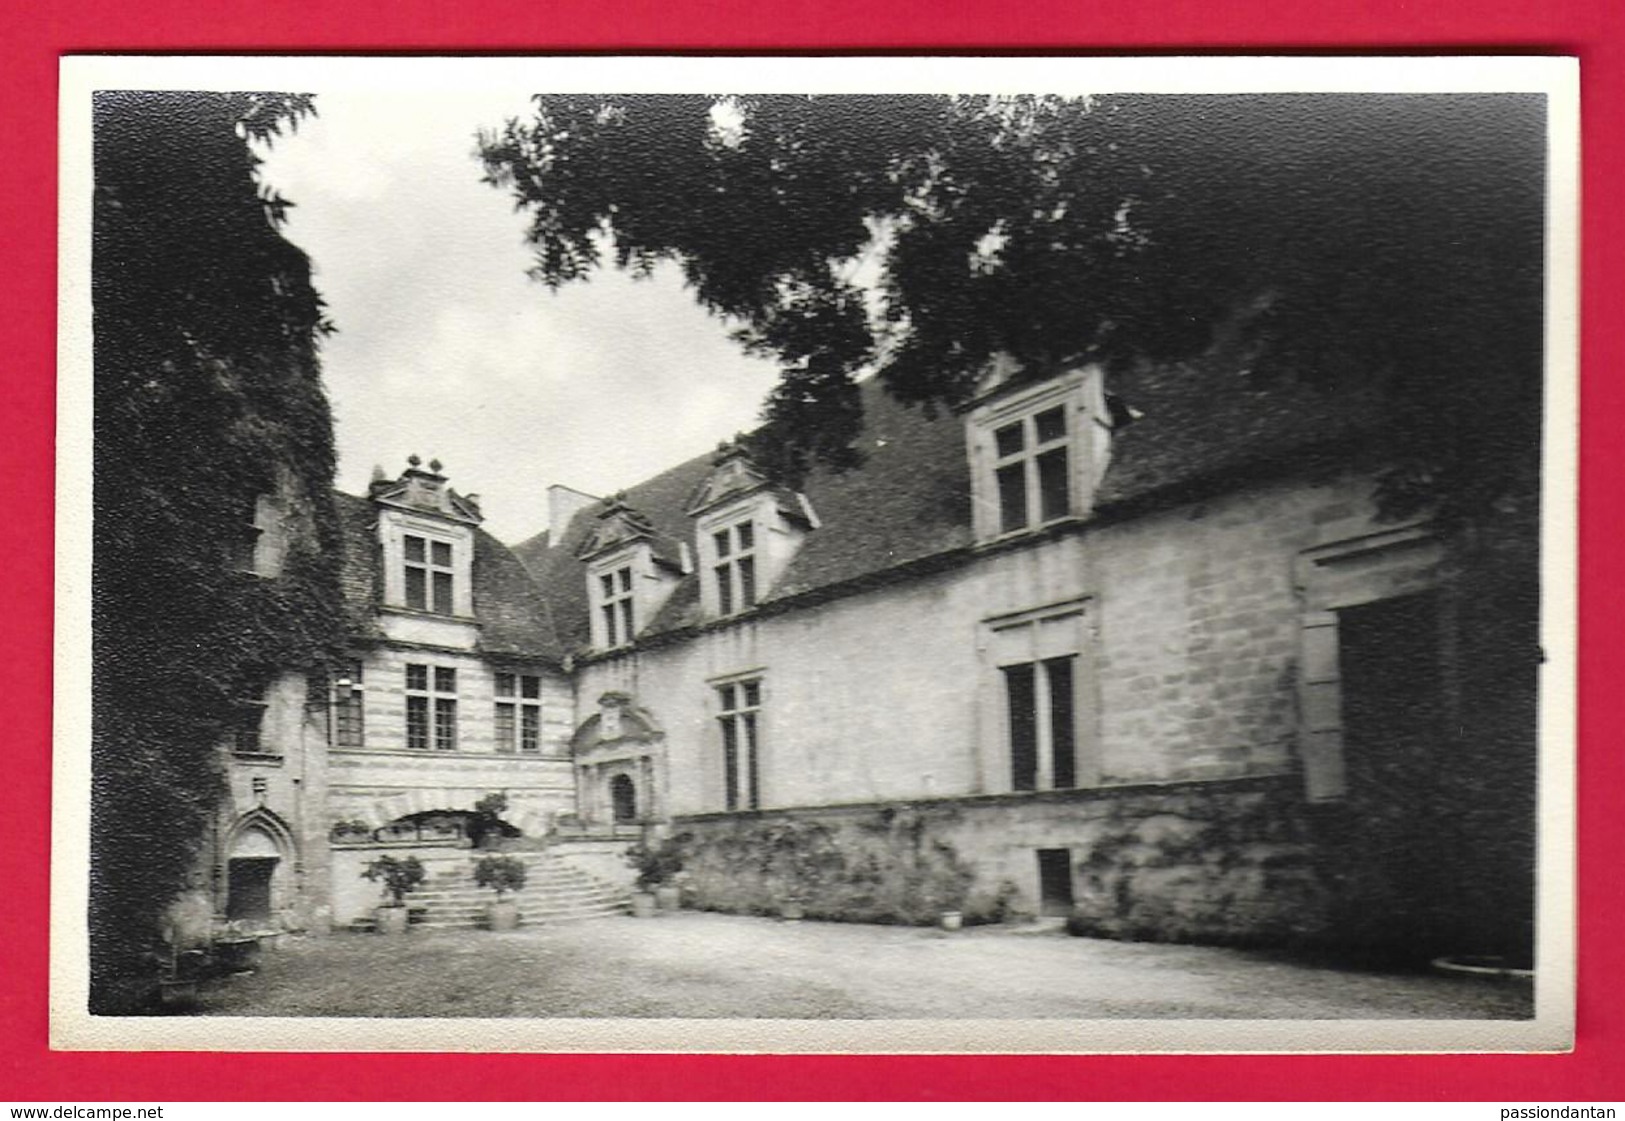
(445, 348)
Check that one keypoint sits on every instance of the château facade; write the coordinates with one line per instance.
(1142, 651)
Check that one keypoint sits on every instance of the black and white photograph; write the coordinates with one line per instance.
(751, 554)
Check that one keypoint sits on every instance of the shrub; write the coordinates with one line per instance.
(501, 873)
(400, 877)
(658, 865)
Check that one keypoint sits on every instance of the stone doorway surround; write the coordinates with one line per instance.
(620, 744)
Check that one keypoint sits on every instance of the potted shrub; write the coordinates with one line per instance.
(486, 829)
(656, 868)
(503, 874)
(400, 878)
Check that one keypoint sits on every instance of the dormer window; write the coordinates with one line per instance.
(735, 570)
(632, 569)
(427, 533)
(1037, 450)
(617, 606)
(747, 529)
(429, 579)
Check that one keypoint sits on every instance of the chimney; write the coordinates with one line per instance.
(564, 503)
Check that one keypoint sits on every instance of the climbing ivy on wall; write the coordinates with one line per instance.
(207, 396)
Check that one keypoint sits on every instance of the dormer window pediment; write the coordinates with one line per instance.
(733, 477)
(425, 492)
(618, 525)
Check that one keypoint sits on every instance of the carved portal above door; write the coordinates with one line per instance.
(620, 760)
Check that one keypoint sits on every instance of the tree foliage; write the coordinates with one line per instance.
(207, 396)
(1334, 237)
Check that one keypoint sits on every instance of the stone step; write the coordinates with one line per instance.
(486, 895)
(553, 892)
(526, 918)
(525, 905)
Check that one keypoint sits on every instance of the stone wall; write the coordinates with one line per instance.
(1194, 861)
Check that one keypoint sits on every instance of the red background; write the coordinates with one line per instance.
(34, 35)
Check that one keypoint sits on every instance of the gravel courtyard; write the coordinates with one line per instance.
(695, 965)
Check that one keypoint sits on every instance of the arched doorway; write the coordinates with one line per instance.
(623, 799)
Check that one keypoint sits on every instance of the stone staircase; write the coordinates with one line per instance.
(554, 892)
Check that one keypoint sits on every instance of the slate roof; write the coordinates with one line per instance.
(509, 605)
(1200, 424)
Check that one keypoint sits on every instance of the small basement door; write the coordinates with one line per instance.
(1055, 882)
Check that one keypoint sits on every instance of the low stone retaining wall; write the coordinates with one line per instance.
(1215, 861)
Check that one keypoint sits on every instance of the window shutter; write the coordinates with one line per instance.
(1320, 709)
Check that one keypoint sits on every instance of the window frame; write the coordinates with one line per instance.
(1055, 747)
(739, 703)
(348, 727)
(1045, 462)
(431, 708)
(733, 560)
(247, 730)
(517, 714)
(437, 599)
(614, 590)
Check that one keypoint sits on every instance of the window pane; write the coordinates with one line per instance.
(1055, 495)
(627, 628)
(445, 724)
(353, 668)
(417, 723)
(753, 798)
(445, 679)
(725, 589)
(417, 677)
(1012, 497)
(726, 693)
(504, 732)
(747, 582)
(530, 729)
(1023, 720)
(417, 589)
(722, 542)
(504, 684)
(1010, 439)
(1063, 722)
(442, 593)
(1051, 424)
(753, 694)
(414, 549)
(348, 728)
(606, 584)
(532, 685)
(730, 763)
(609, 624)
(440, 553)
(626, 579)
(747, 536)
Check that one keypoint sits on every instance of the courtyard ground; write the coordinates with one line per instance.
(695, 965)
